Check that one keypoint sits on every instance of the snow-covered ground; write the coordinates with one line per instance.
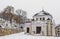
(25, 36)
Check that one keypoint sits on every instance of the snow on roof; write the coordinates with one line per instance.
(42, 13)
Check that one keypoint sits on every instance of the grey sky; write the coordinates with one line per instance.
(34, 6)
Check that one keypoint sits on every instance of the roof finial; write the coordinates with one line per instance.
(43, 8)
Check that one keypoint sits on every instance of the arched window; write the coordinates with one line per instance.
(40, 18)
(43, 18)
(48, 19)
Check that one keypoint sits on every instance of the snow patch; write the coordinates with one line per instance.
(25, 36)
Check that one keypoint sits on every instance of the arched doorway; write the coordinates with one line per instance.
(27, 30)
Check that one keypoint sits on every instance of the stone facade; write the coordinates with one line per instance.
(57, 30)
(42, 25)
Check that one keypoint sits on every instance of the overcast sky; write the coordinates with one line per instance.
(34, 6)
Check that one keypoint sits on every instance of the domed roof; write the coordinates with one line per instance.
(42, 13)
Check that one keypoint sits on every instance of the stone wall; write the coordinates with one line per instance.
(4, 31)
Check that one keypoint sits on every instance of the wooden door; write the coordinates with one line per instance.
(38, 30)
